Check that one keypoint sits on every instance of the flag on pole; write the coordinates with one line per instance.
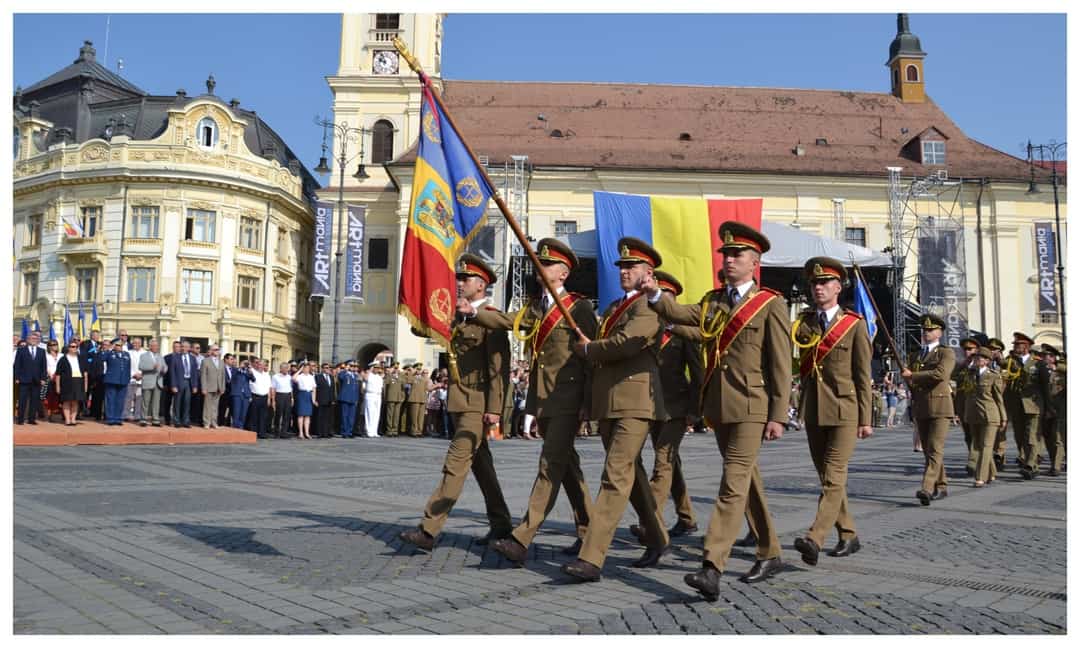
(449, 199)
(37, 325)
(864, 306)
(25, 328)
(52, 331)
(69, 332)
(95, 325)
(82, 323)
(73, 227)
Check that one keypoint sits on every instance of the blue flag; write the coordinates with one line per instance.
(865, 307)
(69, 332)
(52, 331)
(94, 325)
(37, 326)
(25, 328)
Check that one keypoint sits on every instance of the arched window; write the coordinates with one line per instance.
(382, 142)
(207, 133)
(912, 73)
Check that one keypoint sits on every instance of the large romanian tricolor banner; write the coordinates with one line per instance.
(683, 231)
(449, 198)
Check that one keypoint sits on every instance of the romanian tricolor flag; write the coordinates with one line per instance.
(682, 230)
(449, 198)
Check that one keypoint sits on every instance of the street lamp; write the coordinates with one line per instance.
(343, 134)
(1051, 151)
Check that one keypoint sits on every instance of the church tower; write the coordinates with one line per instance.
(906, 64)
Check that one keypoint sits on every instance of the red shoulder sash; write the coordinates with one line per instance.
(552, 319)
(812, 357)
(609, 321)
(739, 318)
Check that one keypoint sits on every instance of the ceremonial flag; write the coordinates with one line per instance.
(25, 328)
(94, 324)
(682, 230)
(82, 323)
(69, 332)
(52, 330)
(864, 306)
(449, 198)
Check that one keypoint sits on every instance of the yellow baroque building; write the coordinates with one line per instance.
(819, 159)
(181, 218)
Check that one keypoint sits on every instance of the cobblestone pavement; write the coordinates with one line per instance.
(301, 537)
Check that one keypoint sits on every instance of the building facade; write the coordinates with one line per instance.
(179, 217)
(819, 159)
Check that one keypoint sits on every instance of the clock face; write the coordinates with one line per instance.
(385, 62)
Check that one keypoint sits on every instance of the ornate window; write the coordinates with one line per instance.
(250, 233)
(140, 284)
(382, 142)
(247, 292)
(91, 220)
(33, 230)
(196, 286)
(144, 222)
(86, 285)
(207, 133)
(29, 288)
(244, 350)
(199, 225)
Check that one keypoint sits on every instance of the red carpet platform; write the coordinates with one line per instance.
(94, 433)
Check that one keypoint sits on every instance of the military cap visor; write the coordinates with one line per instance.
(551, 250)
(986, 352)
(1050, 349)
(824, 269)
(735, 236)
(968, 343)
(996, 344)
(470, 265)
(931, 322)
(668, 282)
(633, 250)
(1022, 337)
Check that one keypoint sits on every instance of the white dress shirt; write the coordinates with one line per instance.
(282, 383)
(261, 385)
(830, 313)
(305, 382)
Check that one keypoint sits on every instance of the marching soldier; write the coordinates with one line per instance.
(985, 413)
(416, 400)
(1059, 394)
(834, 370)
(1022, 402)
(394, 395)
(997, 348)
(679, 355)
(1048, 379)
(558, 395)
(928, 374)
(474, 400)
(747, 382)
(626, 398)
(962, 378)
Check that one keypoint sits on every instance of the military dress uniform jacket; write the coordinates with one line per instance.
(1024, 390)
(752, 381)
(626, 377)
(680, 355)
(985, 403)
(418, 389)
(559, 381)
(931, 396)
(393, 389)
(841, 394)
(483, 363)
(962, 379)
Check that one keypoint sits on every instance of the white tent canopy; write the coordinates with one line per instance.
(791, 248)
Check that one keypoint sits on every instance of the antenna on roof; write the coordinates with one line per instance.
(106, 56)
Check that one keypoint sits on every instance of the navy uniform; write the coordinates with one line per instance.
(116, 379)
(348, 396)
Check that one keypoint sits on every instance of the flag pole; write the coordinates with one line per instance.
(884, 329)
(522, 239)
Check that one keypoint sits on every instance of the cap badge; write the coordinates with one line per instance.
(728, 238)
(624, 251)
(817, 269)
(544, 251)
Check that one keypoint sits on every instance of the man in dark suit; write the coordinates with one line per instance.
(225, 404)
(90, 351)
(166, 391)
(30, 373)
(238, 384)
(324, 398)
(184, 370)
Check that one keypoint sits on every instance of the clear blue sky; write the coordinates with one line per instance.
(1000, 77)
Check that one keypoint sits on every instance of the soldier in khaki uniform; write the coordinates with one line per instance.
(834, 369)
(963, 386)
(1059, 395)
(626, 398)
(393, 396)
(1048, 378)
(558, 395)
(474, 400)
(985, 413)
(679, 355)
(416, 401)
(747, 383)
(1022, 402)
(997, 347)
(928, 373)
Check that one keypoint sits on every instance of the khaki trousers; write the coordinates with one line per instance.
(1055, 443)
(624, 480)
(831, 448)
(932, 433)
(416, 419)
(1026, 434)
(970, 432)
(741, 493)
(983, 437)
(393, 418)
(667, 478)
(468, 450)
(210, 408)
(559, 466)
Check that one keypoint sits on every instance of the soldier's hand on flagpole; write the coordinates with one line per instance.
(581, 345)
(905, 373)
(649, 286)
(465, 307)
(865, 432)
(774, 430)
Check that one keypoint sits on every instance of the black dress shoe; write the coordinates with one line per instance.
(651, 557)
(809, 550)
(999, 461)
(762, 569)
(747, 541)
(706, 581)
(1027, 473)
(941, 494)
(582, 570)
(418, 537)
(573, 549)
(491, 535)
(511, 549)
(846, 548)
(680, 529)
(638, 532)
(924, 497)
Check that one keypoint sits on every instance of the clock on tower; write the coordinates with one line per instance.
(385, 62)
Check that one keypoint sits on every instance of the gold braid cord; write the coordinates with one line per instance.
(711, 331)
(1010, 372)
(533, 330)
(809, 346)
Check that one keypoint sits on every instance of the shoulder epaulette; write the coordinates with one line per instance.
(771, 291)
(705, 297)
(851, 312)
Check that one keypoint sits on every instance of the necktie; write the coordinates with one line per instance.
(733, 296)
(187, 368)
(925, 350)
(823, 321)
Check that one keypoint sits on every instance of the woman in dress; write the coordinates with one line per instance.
(305, 404)
(50, 398)
(70, 381)
(890, 400)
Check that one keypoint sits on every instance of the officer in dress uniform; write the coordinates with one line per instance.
(1048, 425)
(394, 396)
(474, 399)
(117, 364)
(928, 373)
(416, 400)
(984, 413)
(679, 354)
(1022, 402)
(962, 377)
(997, 348)
(1059, 394)
(626, 399)
(745, 399)
(834, 369)
(558, 394)
(348, 396)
